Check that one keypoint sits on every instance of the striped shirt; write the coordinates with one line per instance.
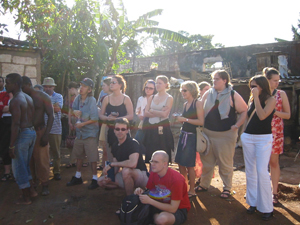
(56, 127)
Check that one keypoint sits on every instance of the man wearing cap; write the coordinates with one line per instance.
(86, 143)
(55, 133)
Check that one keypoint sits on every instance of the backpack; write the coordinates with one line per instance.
(133, 212)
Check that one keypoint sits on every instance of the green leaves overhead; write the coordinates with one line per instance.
(165, 34)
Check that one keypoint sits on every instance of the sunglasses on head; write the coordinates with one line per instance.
(120, 129)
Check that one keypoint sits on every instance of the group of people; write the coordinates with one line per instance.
(219, 109)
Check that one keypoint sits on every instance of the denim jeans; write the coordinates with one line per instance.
(23, 151)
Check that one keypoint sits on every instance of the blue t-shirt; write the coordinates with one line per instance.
(89, 111)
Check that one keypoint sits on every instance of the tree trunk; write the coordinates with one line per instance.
(63, 82)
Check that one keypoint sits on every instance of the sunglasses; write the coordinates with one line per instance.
(120, 129)
(149, 88)
(253, 86)
(183, 90)
(113, 82)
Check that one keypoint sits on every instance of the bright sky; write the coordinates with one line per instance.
(232, 22)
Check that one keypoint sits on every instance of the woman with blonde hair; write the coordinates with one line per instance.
(115, 105)
(186, 149)
(257, 147)
(158, 135)
(282, 111)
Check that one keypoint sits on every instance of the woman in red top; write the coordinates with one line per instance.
(282, 111)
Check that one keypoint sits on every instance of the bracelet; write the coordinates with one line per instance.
(236, 126)
(12, 147)
(109, 164)
(186, 120)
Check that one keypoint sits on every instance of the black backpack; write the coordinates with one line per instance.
(133, 212)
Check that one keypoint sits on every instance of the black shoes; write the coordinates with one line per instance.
(93, 185)
(251, 210)
(267, 216)
(75, 181)
(57, 176)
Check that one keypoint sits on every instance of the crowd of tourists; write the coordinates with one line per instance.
(31, 131)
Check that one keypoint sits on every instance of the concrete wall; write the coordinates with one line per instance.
(19, 60)
(239, 61)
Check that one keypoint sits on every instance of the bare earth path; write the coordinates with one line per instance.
(78, 205)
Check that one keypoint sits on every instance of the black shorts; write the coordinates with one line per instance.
(180, 215)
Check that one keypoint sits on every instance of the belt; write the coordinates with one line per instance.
(184, 138)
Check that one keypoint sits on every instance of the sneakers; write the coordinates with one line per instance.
(93, 185)
(75, 181)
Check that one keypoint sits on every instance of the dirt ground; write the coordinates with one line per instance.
(78, 205)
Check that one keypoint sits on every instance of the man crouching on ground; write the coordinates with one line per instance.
(126, 153)
(169, 186)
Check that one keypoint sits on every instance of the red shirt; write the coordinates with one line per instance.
(172, 186)
(4, 97)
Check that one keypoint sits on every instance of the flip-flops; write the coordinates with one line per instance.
(200, 189)
(6, 177)
(192, 195)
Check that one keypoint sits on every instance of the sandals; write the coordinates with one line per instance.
(200, 189)
(6, 177)
(226, 193)
(191, 195)
(70, 165)
(275, 199)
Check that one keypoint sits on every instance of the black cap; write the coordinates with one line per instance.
(88, 82)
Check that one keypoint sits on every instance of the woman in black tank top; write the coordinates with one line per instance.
(257, 147)
(186, 148)
(114, 106)
(221, 104)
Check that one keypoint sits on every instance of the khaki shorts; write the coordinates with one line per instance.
(140, 182)
(103, 133)
(86, 147)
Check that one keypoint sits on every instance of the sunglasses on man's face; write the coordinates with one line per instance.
(120, 129)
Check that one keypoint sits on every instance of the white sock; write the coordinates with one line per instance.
(95, 177)
(78, 174)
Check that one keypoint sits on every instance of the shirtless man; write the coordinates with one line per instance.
(22, 135)
(39, 164)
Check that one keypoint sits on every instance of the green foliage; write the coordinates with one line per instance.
(296, 32)
(90, 39)
(197, 42)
